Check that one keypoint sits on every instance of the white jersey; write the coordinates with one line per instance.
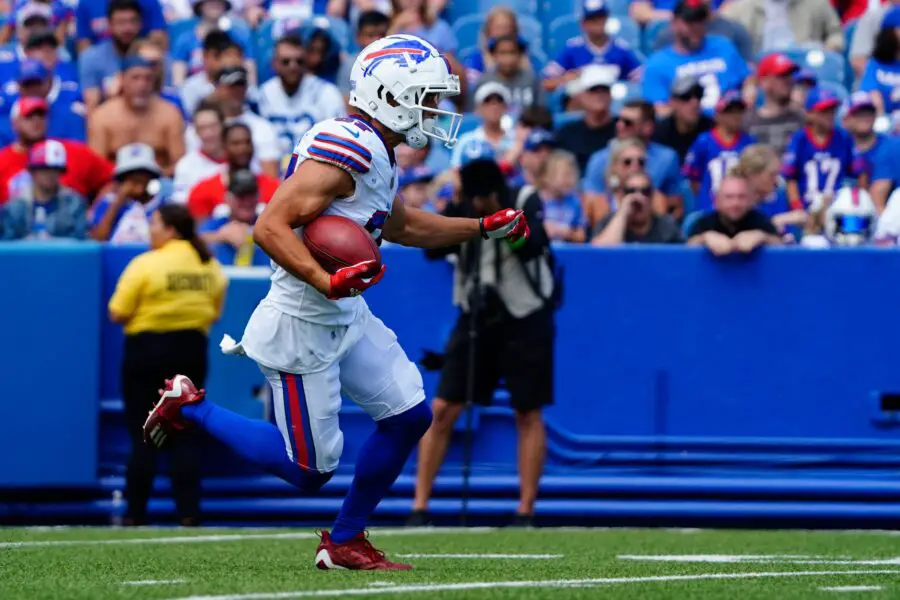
(352, 144)
(887, 230)
(315, 101)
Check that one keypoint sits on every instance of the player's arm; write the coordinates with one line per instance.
(413, 227)
(298, 200)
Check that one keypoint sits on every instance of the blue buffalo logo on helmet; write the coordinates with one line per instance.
(401, 52)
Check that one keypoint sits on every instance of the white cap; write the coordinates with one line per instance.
(492, 88)
(31, 10)
(595, 75)
(136, 157)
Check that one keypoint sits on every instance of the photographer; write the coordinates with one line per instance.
(506, 294)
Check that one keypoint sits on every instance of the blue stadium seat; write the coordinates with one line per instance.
(522, 7)
(651, 32)
(839, 90)
(553, 9)
(625, 29)
(564, 28)
(827, 65)
(849, 30)
(468, 28)
(177, 28)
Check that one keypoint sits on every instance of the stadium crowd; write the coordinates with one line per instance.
(624, 117)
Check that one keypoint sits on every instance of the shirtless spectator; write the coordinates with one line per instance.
(138, 115)
(209, 158)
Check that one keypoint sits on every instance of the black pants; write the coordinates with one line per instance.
(150, 359)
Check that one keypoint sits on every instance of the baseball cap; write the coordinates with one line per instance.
(891, 19)
(48, 154)
(32, 70)
(729, 99)
(806, 76)
(593, 76)
(133, 62)
(476, 150)
(135, 157)
(33, 10)
(416, 174)
(538, 138)
(821, 99)
(860, 101)
(42, 36)
(776, 65)
(232, 76)
(243, 183)
(687, 85)
(594, 8)
(692, 10)
(27, 106)
(492, 88)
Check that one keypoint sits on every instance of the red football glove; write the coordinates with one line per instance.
(355, 279)
(507, 223)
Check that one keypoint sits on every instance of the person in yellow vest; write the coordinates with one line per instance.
(166, 299)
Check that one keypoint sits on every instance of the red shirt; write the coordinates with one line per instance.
(210, 192)
(87, 172)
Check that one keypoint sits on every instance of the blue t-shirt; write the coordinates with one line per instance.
(670, 4)
(708, 161)
(818, 168)
(188, 47)
(10, 61)
(67, 114)
(226, 253)
(565, 211)
(439, 34)
(663, 167)
(98, 66)
(887, 168)
(864, 161)
(884, 79)
(775, 203)
(130, 229)
(62, 11)
(717, 65)
(91, 22)
(579, 53)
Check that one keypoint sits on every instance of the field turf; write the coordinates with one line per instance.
(644, 564)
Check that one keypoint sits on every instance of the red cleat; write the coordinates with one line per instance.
(165, 418)
(356, 555)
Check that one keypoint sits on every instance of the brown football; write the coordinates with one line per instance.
(336, 242)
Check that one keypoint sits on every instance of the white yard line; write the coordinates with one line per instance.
(154, 582)
(555, 583)
(853, 588)
(239, 537)
(786, 559)
(502, 556)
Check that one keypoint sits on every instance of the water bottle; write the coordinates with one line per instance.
(117, 514)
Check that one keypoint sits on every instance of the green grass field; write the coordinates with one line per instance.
(645, 564)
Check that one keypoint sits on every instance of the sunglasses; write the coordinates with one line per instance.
(286, 62)
(697, 95)
(636, 160)
(643, 191)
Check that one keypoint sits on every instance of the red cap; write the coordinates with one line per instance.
(777, 65)
(29, 105)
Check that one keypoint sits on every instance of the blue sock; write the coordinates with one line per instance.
(256, 441)
(379, 464)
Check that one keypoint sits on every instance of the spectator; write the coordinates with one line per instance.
(229, 230)
(231, 92)
(804, 82)
(635, 221)
(323, 50)
(536, 149)
(237, 142)
(371, 25)
(62, 17)
(531, 118)
(869, 148)
(413, 17)
(686, 121)
(123, 215)
(49, 209)
(735, 225)
(775, 121)
(647, 11)
(510, 67)
(219, 51)
(557, 187)
(717, 25)
(501, 21)
(99, 64)
(593, 47)
(887, 228)
(414, 187)
(776, 25)
(296, 100)
(713, 60)
(867, 28)
(92, 23)
(717, 151)
(66, 110)
(820, 155)
(882, 73)
(761, 166)
(597, 127)
(491, 101)
(153, 54)
(848, 221)
(209, 158)
(187, 52)
(636, 119)
(138, 115)
(885, 174)
(435, 158)
(87, 172)
(40, 44)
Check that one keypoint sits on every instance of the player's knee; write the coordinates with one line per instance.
(445, 413)
(312, 481)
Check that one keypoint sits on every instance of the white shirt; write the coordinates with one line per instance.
(887, 229)
(191, 169)
(316, 100)
(470, 144)
(265, 142)
(194, 89)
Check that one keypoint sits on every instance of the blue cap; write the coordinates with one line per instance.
(860, 101)
(32, 70)
(539, 137)
(416, 174)
(476, 150)
(131, 62)
(821, 99)
(891, 19)
(806, 76)
(729, 99)
(593, 8)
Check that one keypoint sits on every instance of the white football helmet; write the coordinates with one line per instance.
(391, 79)
(850, 220)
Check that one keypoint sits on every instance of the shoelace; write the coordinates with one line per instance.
(366, 548)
